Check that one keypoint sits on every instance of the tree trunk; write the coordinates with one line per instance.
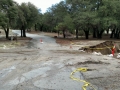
(108, 30)
(64, 36)
(41, 28)
(35, 27)
(21, 33)
(117, 33)
(99, 33)
(7, 33)
(76, 33)
(94, 33)
(113, 31)
(86, 34)
(58, 33)
(24, 33)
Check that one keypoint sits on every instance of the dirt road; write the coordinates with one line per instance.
(45, 65)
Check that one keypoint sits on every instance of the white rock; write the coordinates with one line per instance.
(81, 50)
(111, 55)
(4, 47)
(96, 53)
(118, 56)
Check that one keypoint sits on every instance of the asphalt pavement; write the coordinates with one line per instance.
(45, 71)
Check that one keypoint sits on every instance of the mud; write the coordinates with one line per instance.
(92, 62)
(104, 47)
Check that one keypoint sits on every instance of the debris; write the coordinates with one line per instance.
(118, 56)
(104, 48)
(41, 41)
(96, 53)
(81, 50)
(71, 47)
(113, 50)
(4, 47)
(110, 55)
(92, 62)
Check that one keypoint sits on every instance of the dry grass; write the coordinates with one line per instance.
(5, 43)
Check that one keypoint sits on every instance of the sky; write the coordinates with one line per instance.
(42, 4)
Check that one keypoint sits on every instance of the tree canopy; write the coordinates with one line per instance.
(13, 15)
(8, 14)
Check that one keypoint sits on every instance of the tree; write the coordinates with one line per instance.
(48, 21)
(66, 26)
(34, 15)
(39, 25)
(8, 15)
(54, 15)
(28, 16)
(68, 22)
(115, 21)
(61, 27)
(80, 12)
(105, 19)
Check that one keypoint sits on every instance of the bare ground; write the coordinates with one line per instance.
(103, 71)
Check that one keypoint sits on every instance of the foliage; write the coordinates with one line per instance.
(27, 17)
(8, 15)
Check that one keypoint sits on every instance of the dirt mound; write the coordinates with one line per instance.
(104, 48)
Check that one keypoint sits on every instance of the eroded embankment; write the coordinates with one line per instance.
(105, 47)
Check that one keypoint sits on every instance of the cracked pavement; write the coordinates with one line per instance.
(47, 66)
